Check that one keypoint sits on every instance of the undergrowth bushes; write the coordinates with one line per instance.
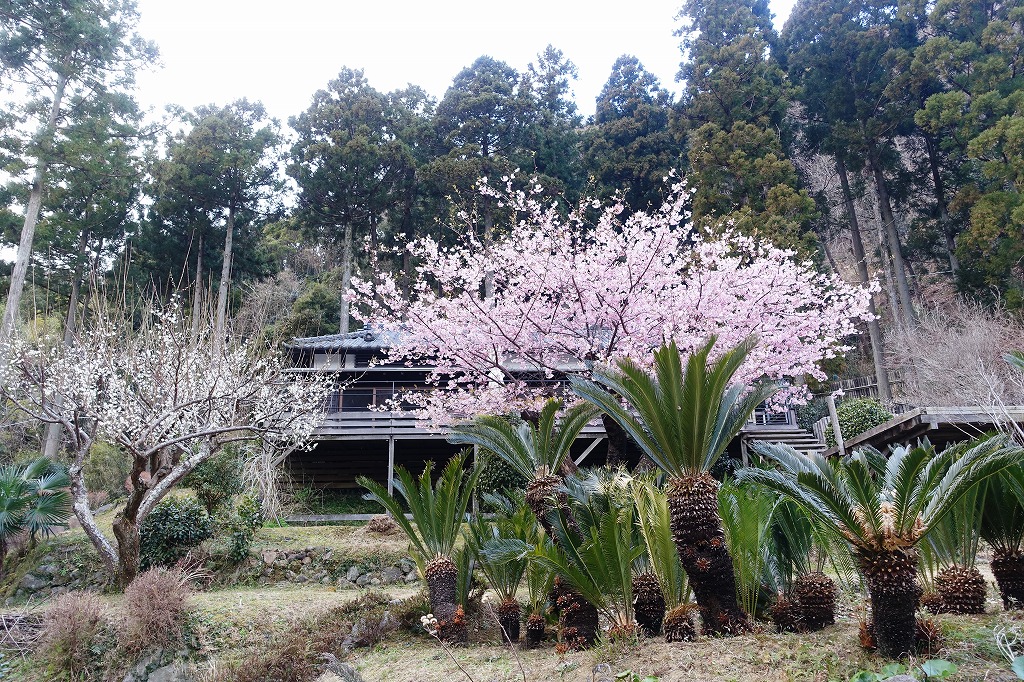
(155, 606)
(70, 628)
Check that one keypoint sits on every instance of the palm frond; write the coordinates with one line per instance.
(655, 526)
(682, 420)
(437, 511)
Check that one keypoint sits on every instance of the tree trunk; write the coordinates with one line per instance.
(874, 331)
(892, 584)
(700, 541)
(197, 296)
(346, 280)
(225, 276)
(51, 441)
(893, 238)
(940, 199)
(622, 449)
(488, 230)
(28, 229)
(126, 530)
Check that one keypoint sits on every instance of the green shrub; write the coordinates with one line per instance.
(173, 528)
(497, 477)
(216, 480)
(241, 526)
(807, 415)
(857, 416)
(107, 469)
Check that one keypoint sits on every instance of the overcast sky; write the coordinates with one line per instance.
(216, 51)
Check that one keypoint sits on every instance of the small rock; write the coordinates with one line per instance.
(353, 574)
(392, 574)
(299, 579)
(363, 580)
(375, 581)
(168, 673)
(411, 577)
(32, 583)
(269, 557)
(406, 565)
(306, 560)
(46, 569)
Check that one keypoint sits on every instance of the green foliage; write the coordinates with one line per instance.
(529, 450)
(655, 526)
(932, 669)
(857, 416)
(174, 527)
(33, 499)
(498, 476)
(314, 313)
(918, 486)
(956, 538)
(438, 511)
(216, 480)
(512, 521)
(807, 415)
(245, 519)
(747, 521)
(107, 469)
(1002, 511)
(682, 420)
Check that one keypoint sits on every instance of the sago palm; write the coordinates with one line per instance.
(883, 507)
(438, 512)
(655, 525)
(1002, 527)
(683, 419)
(512, 520)
(537, 452)
(949, 554)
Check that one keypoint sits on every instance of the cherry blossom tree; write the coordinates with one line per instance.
(571, 294)
(168, 395)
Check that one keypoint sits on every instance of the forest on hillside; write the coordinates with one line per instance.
(880, 140)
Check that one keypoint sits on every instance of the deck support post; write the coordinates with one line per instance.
(391, 464)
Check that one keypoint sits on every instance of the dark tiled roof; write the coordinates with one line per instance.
(367, 338)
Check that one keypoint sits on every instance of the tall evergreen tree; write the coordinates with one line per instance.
(851, 61)
(217, 181)
(59, 55)
(732, 114)
(554, 134)
(628, 147)
(348, 162)
(974, 122)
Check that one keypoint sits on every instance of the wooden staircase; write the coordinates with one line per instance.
(802, 441)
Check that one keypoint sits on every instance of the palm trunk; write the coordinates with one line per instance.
(700, 541)
(577, 618)
(891, 577)
(1008, 569)
(535, 626)
(441, 575)
(874, 331)
(28, 228)
(509, 616)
